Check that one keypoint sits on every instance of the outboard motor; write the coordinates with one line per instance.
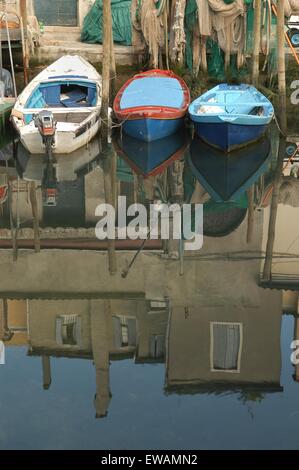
(46, 125)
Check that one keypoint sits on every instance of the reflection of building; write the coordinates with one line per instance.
(13, 322)
(222, 329)
(96, 329)
(229, 346)
(285, 264)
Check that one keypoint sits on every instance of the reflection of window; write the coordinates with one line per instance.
(157, 346)
(68, 330)
(226, 344)
(156, 306)
(124, 331)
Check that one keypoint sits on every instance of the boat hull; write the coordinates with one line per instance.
(149, 129)
(152, 105)
(66, 142)
(227, 136)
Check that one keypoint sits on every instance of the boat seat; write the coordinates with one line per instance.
(74, 99)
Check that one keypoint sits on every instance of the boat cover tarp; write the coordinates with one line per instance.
(153, 91)
(92, 31)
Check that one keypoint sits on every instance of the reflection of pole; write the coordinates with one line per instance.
(296, 338)
(5, 314)
(256, 42)
(33, 201)
(13, 230)
(273, 211)
(281, 64)
(7, 334)
(250, 215)
(109, 169)
(46, 364)
(99, 320)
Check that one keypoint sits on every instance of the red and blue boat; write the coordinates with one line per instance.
(152, 105)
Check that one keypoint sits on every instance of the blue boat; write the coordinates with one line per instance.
(151, 158)
(152, 105)
(231, 116)
(227, 177)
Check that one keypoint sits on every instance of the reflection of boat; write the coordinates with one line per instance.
(31, 167)
(230, 116)
(70, 90)
(227, 177)
(149, 158)
(152, 104)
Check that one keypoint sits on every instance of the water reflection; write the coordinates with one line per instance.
(227, 176)
(150, 158)
(196, 325)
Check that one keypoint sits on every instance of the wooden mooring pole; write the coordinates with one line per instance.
(24, 32)
(106, 64)
(256, 42)
(281, 65)
(112, 66)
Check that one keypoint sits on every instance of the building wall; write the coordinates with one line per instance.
(190, 340)
(42, 322)
(223, 291)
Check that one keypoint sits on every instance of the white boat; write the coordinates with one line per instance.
(70, 91)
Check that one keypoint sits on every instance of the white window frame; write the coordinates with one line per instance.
(229, 371)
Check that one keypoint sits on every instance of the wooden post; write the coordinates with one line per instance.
(256, 42)
(107, 27)
(24, 26)
(33, 201)
(281, 65)
(112, 66)
(273, 211)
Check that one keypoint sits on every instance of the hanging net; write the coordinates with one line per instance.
(92, 31)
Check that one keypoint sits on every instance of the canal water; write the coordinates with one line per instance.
(186, 350)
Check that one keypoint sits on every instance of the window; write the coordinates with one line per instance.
(124, 331)
(226, 345)
(157, 346)
(156, 306)
(68, 330)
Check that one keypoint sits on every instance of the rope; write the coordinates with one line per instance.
(278, 126)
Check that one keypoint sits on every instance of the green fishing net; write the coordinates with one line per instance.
(92, 31)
